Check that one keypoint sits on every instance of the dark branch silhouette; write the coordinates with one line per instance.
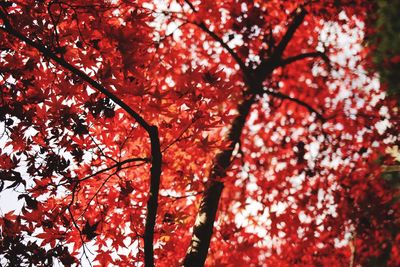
(156, 156)
(316, 54)
(213, 35)
(271, 63)
(297, 101)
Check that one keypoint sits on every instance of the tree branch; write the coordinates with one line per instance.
(267, 65)
(218, 39)
(315, 54)
(297, 101)
(203, 228)
(223, 44)
(299, 15)
(117, 165)
(191, 5)
(152, 202)
(156, 156)
(52, 55)
(213, 35)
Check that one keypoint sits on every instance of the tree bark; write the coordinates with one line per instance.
(152, 202)
(203, 228)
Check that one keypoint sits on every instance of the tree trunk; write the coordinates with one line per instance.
(203, 228)
(152, 202)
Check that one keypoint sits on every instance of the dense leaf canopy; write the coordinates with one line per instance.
(243, 133)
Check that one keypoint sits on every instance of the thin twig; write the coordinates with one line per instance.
(298, 101)
(315, 54)
(117, 165)
(214, 36)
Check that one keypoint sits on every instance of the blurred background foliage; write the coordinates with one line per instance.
(386, 41)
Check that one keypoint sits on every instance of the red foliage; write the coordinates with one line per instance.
(84, 84)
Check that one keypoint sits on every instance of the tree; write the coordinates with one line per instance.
(253, 123)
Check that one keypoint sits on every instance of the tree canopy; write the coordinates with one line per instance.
(178, 132)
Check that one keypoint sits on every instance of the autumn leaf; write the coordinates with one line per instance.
(89, 230)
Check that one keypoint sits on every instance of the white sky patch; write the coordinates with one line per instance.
(381, 126)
